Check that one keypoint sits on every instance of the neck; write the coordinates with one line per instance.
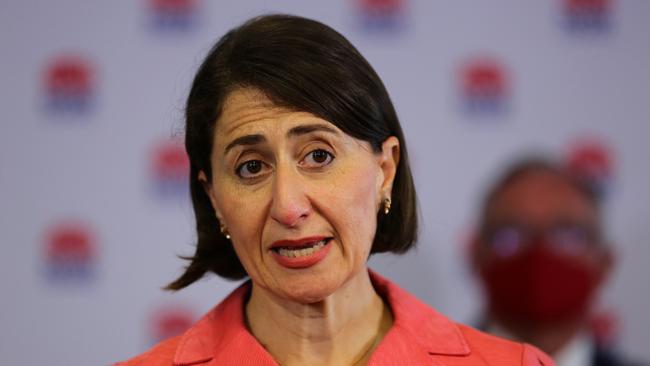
(550, 338)
(341, 329)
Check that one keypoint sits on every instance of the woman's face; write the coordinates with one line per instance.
(298, 196)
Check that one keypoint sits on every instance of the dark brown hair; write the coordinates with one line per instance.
(306, 66)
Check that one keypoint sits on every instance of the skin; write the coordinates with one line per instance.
(328, 313)
(541, 199)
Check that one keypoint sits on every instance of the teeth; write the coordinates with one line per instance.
(297, 253)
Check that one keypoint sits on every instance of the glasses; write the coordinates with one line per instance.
(508, 240)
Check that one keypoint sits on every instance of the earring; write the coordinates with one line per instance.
(224, 231)
(386, 206)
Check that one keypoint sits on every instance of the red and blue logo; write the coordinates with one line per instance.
(592, 162)
(484, 87)
(69, 85)
(173, 15)
(70, 253)
(381, 15)
(169, 321)
(170, 169)
(587, 16)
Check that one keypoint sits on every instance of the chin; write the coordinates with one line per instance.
(311, 289)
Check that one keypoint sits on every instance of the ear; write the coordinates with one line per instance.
(388, 161)
(207, 187)
(606, 261)
(473, 252)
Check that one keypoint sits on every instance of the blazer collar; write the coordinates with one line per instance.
(215, 330)
(431, 330)
(222, 331)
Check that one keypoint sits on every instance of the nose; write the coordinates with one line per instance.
(289, 204)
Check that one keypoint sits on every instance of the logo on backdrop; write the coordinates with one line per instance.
(69, 85)
(381, 15)
(484, 87)
(170, 169)
(70, 253)
(169, 321)
(173, 15)
(591, 160)
(587, 16)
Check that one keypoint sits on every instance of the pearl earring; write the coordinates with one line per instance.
(386, 206)
(224, 231)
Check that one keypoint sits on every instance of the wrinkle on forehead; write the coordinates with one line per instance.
(244, 106)
(247, 110)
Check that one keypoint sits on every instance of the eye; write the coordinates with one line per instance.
(317, 158)
(571, 239)
(506, 241)
(250, 169)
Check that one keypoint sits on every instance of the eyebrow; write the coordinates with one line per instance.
(245, 140)
(295, 131)
(305, 129)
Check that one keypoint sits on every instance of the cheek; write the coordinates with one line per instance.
(243, 214)
(355, 195)
(363, 197)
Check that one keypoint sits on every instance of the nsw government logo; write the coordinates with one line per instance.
(69, 85)
(587, 16)
(169, 321)
(170, 169)
(484, 87)
(69, 253)
(381, 15)
(173, 15)
(591, 161)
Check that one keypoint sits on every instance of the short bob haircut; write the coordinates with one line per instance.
(302, 65)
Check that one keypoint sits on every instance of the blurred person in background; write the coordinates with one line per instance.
(542, 257)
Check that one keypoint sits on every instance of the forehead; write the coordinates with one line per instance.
(247, 109)
(541, 196)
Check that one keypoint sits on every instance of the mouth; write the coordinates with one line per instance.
(301, 253)
(301, 250)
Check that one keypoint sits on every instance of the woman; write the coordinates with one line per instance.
(299, 171)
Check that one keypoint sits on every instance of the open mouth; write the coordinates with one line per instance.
(303, 250)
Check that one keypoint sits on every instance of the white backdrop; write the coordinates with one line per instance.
(94, 206)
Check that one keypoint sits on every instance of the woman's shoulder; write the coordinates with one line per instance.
(197, 344)
(161, 354)
(500, 351)
(420, 329)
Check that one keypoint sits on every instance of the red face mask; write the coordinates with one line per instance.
(540, 286)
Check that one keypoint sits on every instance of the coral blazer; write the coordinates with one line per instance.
(419, 336)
